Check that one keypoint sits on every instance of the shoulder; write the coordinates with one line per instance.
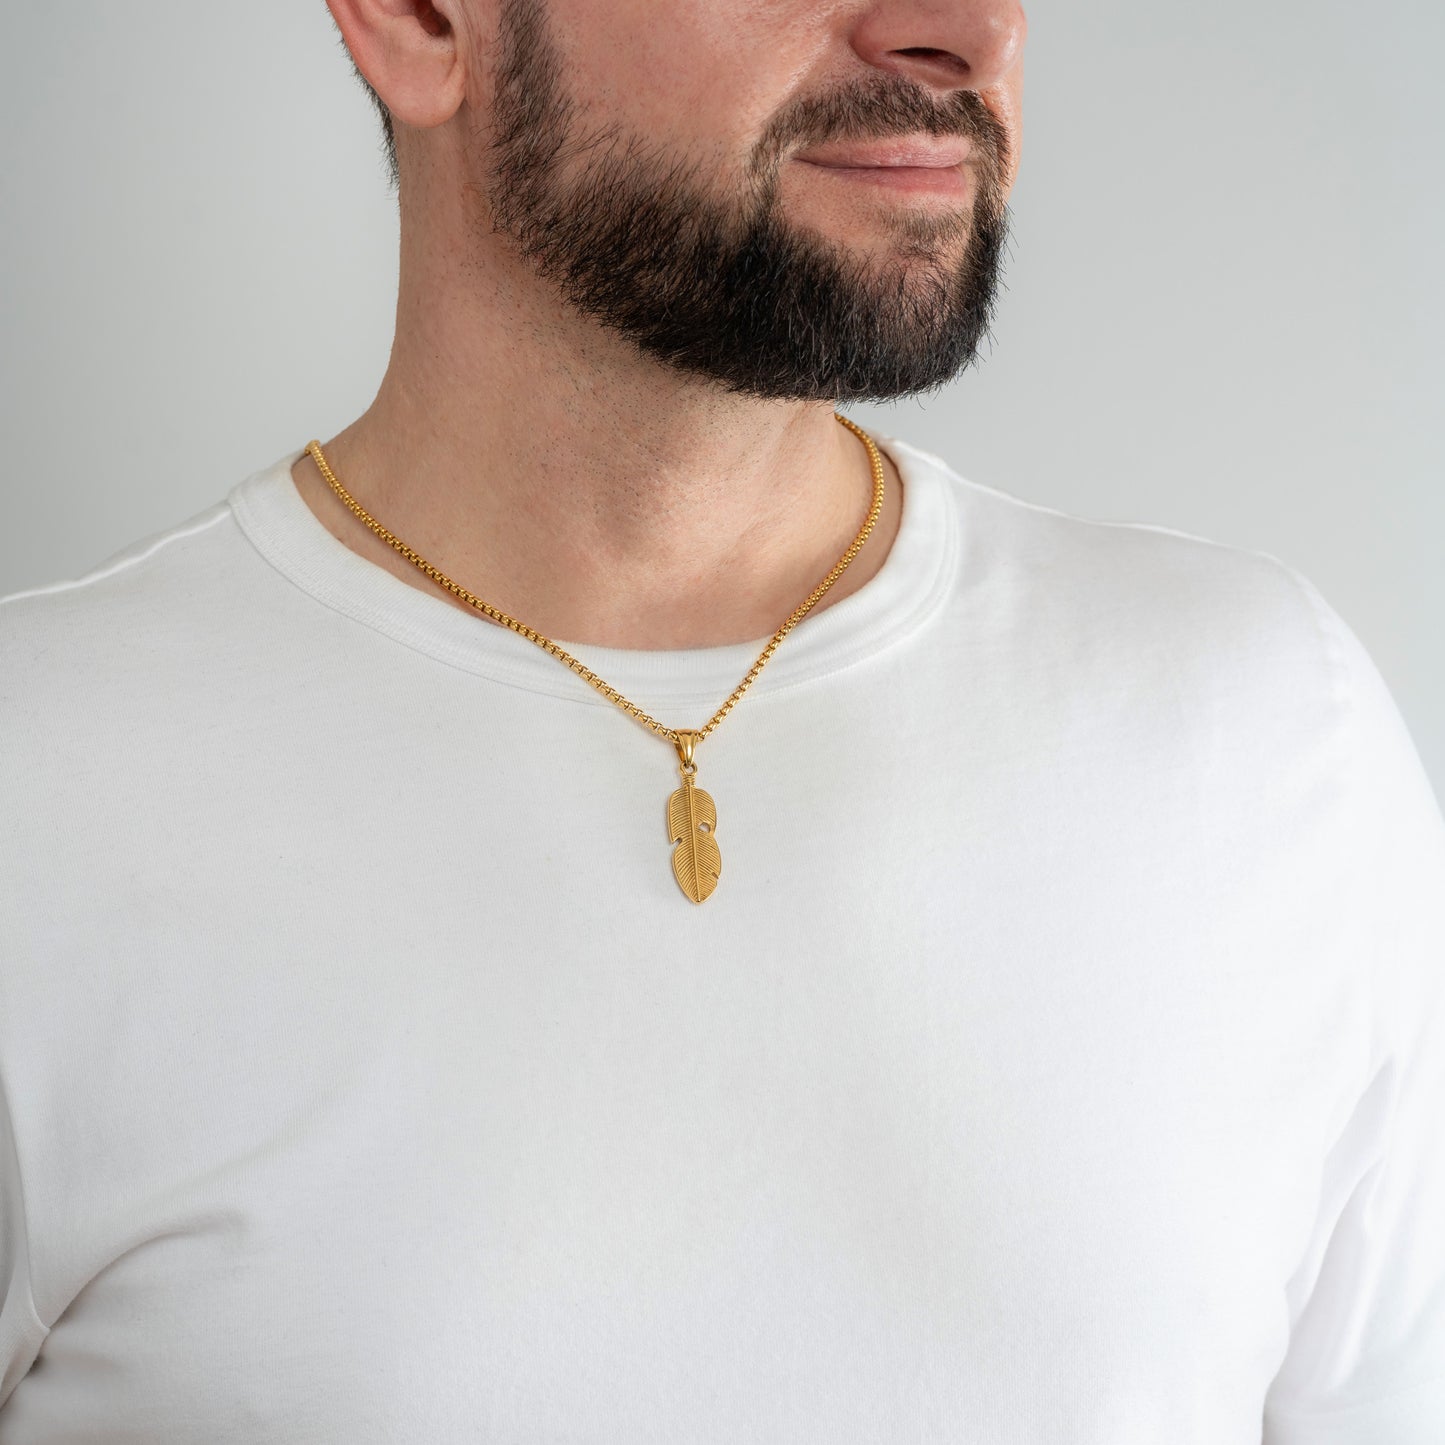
(113, 650)
(134, 587)
(168, 598)
(1231, 658)
(1185, 651)
(1151, 653)
(1132, 594)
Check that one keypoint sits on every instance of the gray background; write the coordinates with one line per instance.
(1223, 313)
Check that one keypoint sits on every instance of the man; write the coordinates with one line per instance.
(455, 994)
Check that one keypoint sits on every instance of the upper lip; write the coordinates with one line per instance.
(933, 152)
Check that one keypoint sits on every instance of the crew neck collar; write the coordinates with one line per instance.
(899, 598)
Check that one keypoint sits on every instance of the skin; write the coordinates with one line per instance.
(540, 460)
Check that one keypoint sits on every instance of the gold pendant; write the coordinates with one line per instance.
(692, 825)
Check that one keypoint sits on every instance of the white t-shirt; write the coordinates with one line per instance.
(1060, 1060)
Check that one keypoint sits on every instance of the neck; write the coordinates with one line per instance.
(548, 468)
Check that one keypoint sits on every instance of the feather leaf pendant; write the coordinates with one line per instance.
(691, 824)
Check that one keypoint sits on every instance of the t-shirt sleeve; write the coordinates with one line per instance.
(21, 1331)
(1365, 1363)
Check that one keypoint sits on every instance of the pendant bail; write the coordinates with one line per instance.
(686, 741)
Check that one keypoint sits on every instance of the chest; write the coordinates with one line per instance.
(959, 1111)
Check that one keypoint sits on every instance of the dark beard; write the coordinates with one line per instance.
(731, 292)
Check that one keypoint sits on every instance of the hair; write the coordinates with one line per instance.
(388, 130)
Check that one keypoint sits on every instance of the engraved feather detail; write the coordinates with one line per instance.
(691, 824)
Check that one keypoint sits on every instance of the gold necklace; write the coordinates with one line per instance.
(691, 813)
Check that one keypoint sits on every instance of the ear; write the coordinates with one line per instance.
(412, 53)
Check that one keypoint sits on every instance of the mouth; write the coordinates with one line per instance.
(931, 164)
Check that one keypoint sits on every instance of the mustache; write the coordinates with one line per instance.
(883, 107)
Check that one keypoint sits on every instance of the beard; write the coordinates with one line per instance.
(725, 288)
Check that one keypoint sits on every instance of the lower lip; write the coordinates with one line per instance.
(933, 180)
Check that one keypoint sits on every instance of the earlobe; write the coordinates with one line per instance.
(410, 52)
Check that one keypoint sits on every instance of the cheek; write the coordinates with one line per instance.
(700, 74)
(1005, 100)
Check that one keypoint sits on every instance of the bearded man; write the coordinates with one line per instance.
(604, 903)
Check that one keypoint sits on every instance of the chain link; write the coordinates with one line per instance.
(585, 673)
